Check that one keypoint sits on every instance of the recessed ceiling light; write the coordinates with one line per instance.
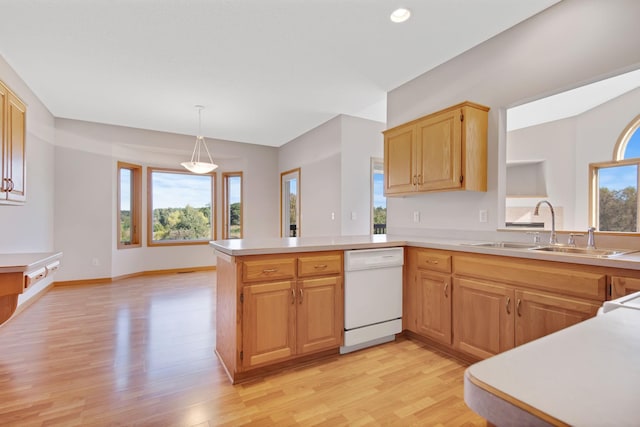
(400, 15)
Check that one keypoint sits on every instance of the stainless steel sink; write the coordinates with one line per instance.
(506, 245)
(570, 250)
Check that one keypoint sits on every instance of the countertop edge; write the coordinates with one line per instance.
(629, 262)
(25, 262)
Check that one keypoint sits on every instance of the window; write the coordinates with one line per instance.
(181, 209)
(290, 203)
(378, 201)
(232, 182)
(614, 185)
(129, 205)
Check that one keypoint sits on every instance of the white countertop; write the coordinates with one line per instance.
(240, 247)
(585, 375)
(22, 262)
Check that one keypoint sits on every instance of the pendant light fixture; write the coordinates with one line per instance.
(195, 165)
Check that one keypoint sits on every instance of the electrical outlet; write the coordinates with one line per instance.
(416, 216)
(333, 216)
(354, 216)
(482, 215)
(95, 262)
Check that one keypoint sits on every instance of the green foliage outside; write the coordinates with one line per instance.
(125, 227)
(293, 201)
(379, 217)
(234, 221)
(186, 223)
(618, 209)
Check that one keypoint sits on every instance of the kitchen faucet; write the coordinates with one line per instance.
(553, 239)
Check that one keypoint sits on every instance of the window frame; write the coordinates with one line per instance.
(226, 205)
(136, 205)
(594, 187)
(154, 243)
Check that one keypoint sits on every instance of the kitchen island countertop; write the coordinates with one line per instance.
(585, 375)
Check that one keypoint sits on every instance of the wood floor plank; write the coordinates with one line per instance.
(139, 351)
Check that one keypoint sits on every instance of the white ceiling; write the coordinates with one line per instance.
(572, 102)
(267, 70)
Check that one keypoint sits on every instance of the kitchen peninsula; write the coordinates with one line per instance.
(518, 295)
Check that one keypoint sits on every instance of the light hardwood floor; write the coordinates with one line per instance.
(139, 352)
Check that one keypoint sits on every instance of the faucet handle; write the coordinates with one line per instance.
(591, 240)
(536, 236)
(572, 241)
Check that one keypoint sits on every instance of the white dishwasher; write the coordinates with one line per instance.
(372, 297)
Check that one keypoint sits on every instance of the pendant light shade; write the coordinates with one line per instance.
(196, 165)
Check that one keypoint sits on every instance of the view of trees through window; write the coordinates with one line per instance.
(618, 191)
(378, 201)
(181, 206)
(126, 180)
(233, 205)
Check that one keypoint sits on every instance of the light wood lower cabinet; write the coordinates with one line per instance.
(268, 323)
(482, 305)
(483, 317)
(433, 310)
(492, 317)
(538, 314)
(275, 309)
(427, 307)
(621, 286)
(284, 319)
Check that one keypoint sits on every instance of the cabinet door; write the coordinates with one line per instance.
(433, 306)
(15, 166)
(268, 323)
(482, 317)
(539, 314)
(399, 160)
(622, 286)
(320, 310)
(439, 152)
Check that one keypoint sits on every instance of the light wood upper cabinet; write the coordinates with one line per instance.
(443, 151)
(13, 134)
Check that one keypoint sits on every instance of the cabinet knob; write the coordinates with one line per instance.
(320, 266)
(293, 296)
(269, 270)
(300, 302)
(507, 305)
(518, 307)
(446, 290)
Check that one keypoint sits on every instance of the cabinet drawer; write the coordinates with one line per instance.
(321, 265)
(268, 269)
(434, 261)
(34, 276)
(52, 267)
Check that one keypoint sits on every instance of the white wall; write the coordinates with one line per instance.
(86, 182)
(569, 44)
(555, 143)
(361, 140)
(317, 154)
(335, 162)
(569, 146)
